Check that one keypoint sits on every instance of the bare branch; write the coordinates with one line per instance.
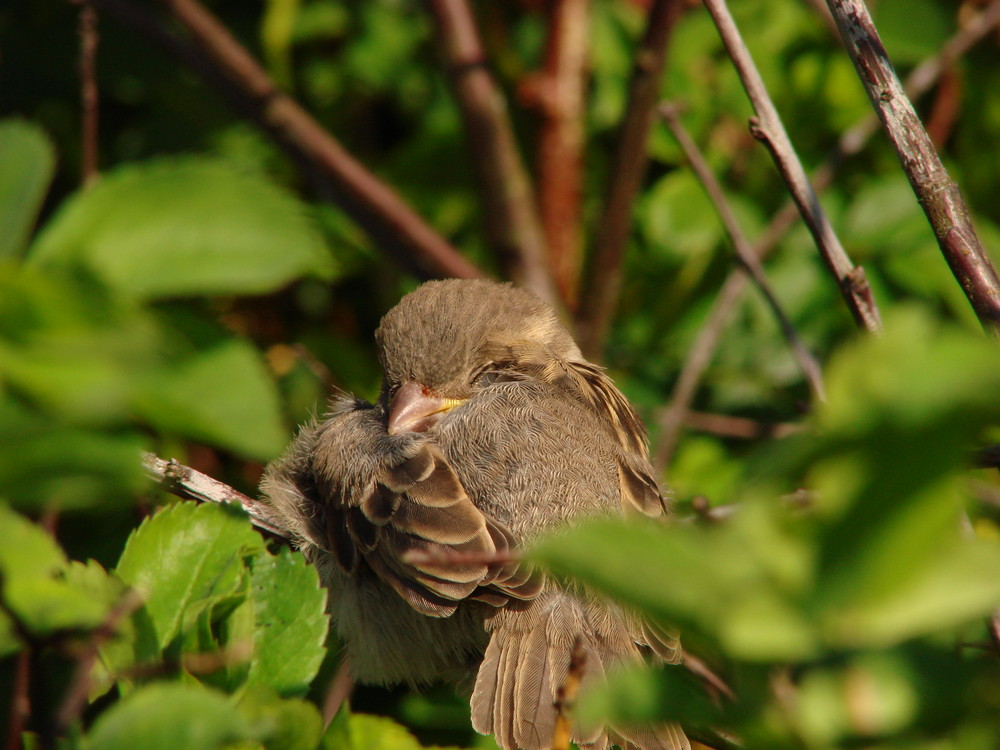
(737, 427)
(87, 29)
(561, 90)
(744, 252)
(506, 193)
(190, 484)
(851, 142)
(602, 284)
(699, 356)
(938, 194)
(220, 59)
(767, 127)
(76, 696)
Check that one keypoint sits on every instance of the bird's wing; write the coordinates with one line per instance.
(393, 504)
(589, 384)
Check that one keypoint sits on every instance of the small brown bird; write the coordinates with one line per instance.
(490, 429)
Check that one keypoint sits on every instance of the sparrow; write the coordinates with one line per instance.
(490, 430)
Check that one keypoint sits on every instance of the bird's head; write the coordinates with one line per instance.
(447, 339)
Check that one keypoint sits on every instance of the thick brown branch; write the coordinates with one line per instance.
(602, 284)
(88, 92)
(506, 193)
(190, 484)
(220, 59)
(768, 127)
(744, 252)
(938, 194)
(561, 91)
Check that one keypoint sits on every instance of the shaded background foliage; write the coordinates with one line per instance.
(202, 299)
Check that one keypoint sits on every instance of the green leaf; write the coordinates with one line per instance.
(182, 555)
(222, 395)
(350, 731)
(170, 717)
(737, 585)
(283, 724)
(182, 227)
(291, 622)
(28, 162)
(34, 586)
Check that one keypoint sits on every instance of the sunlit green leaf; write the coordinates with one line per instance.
(291, 623)
(183, 227)
(182, 555)
(28, 162)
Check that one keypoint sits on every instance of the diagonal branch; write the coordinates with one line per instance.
(561, 141)
(89, 100)
(190, 484)
(744, 251)
(767, 127)
(226, 65)
(851, 142)
(939, 195)
(602, 283)
(512, 224)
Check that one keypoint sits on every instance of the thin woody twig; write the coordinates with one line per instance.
(767, 127)
(87, 30)
(566, 695)
(744, 252)
(939, 195)
(226, 65)
(506, 193)
(737, 427)
(851, 142)
(699, 356)
(561, 141)
(602, 283)
(76, 696)
(190, 484)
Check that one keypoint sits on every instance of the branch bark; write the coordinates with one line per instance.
(190, 484)
(602, 283)
(506, 194)
(938, 194)
(851, 142)
(744, 252)
(561, 142)
(768, 127)
(226, 65)
(87, 29)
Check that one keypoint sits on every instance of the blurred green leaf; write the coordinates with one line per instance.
(291, 623)
(28, 160)
(171, 717)
(33, 573)
(350, 731)
(182, 555)
(283, 724)
(223, 395)
(185, 226)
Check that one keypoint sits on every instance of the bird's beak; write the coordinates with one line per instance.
(415, 409)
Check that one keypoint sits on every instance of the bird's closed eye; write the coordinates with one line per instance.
(492, 373)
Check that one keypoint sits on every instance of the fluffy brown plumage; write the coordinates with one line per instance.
(491, 428)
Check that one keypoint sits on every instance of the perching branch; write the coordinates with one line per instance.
(561, 96)
(506, 193)
(190, 484)
(939, 195)
(744, 252)
(225, 64)
(602, 283)
(768, 128)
